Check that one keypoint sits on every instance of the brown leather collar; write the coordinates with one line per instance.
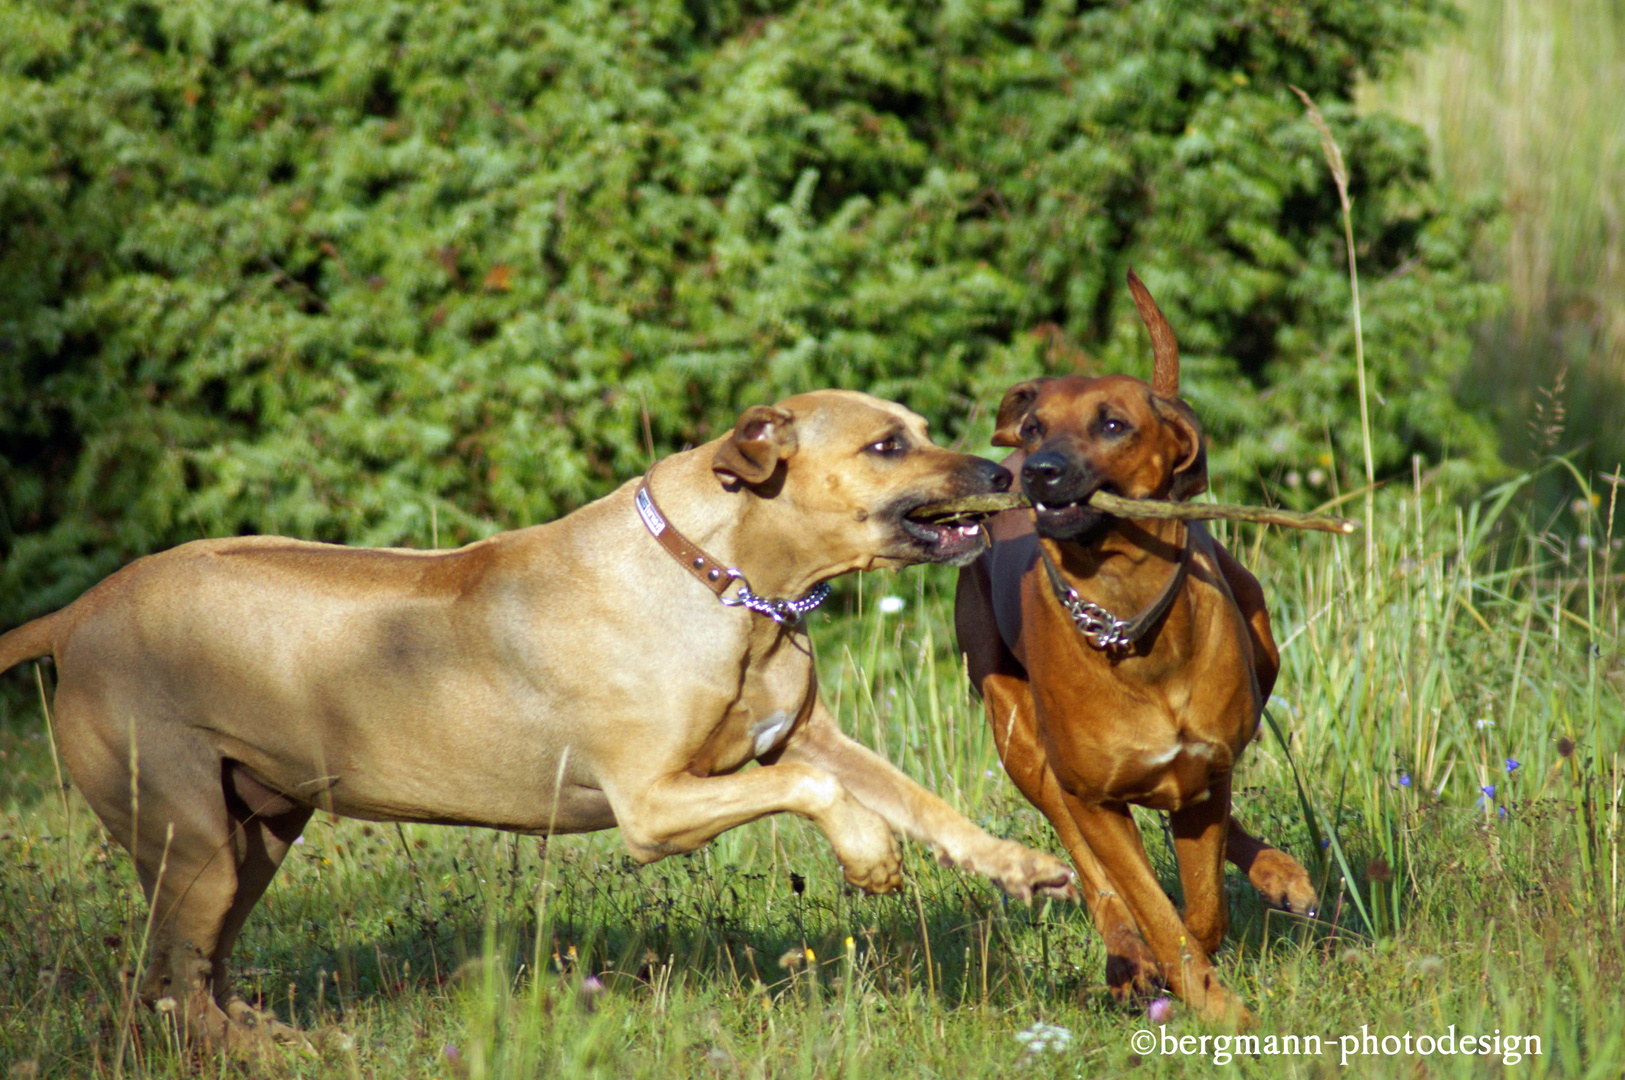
(711, 573)
(1099, 627)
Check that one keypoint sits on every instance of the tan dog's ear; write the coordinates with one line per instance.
(1190, 475)
(763, 437)
(1013, 410)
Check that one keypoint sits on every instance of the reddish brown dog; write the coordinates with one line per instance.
(1125, 662)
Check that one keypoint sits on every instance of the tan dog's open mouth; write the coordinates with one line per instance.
(954, 537)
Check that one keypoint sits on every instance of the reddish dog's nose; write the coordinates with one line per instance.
(1040, 472)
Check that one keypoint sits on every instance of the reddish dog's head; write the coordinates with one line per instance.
(1081, 434)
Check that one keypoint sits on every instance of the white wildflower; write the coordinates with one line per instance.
(1042, 1037)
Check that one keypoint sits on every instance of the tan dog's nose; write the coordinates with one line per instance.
(997, 477)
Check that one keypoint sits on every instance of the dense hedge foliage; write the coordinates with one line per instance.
(319, 269)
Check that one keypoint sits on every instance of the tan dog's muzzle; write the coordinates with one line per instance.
(955, 541)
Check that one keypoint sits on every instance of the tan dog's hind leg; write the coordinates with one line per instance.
(922, 816)
(265, 825)
(1131, 969)
(189, 853)
(1110, 831)
(681, 813)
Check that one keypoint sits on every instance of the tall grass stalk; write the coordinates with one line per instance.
(1340, 176)
(1522, 104)
(1523, 100)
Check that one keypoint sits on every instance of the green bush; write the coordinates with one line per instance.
(330, 269)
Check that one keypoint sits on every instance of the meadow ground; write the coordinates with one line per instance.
(1454, 719)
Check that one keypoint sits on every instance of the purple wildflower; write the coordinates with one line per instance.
(1512, 765)
(1160, 1010)
(1488, 790)
(1404, 779)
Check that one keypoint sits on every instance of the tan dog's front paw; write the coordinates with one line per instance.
(1019, 870)
(876, 878)
(255, 1024)
(870, 857)
(239, 1031)
(1283, 881)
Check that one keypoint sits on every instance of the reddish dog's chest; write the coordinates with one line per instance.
(1153, 727)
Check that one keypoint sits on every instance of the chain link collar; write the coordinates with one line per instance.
(1099, 627)
(1105, 631)
(712, 574)
(780, 611)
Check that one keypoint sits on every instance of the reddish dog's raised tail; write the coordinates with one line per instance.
(1164, 346)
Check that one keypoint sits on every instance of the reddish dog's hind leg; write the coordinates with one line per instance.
(1277, 876)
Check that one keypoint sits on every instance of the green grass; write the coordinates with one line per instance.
(1485, 639)
(1521, 105)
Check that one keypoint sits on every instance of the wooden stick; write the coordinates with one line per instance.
(1147, 508)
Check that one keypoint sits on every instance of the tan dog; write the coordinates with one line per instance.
(564, 678)
(1125, 662)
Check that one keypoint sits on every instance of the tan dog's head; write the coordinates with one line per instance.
(841, 471)
(1115, 432)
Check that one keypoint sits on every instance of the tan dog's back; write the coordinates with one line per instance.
(567, 677)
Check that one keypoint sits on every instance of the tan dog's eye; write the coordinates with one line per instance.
(890, 446)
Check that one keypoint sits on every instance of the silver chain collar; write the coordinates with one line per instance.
(783, 612)
(1099, 627)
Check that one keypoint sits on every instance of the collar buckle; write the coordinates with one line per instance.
(710, 573)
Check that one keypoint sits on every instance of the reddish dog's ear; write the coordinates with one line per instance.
(763, 437)
(1013, 409)
(1190, 475)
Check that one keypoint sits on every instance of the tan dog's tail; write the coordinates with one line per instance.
(29, 641)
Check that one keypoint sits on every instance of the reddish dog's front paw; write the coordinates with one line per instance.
(1132, 973)
(1213, 1002)
(1283, 881)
